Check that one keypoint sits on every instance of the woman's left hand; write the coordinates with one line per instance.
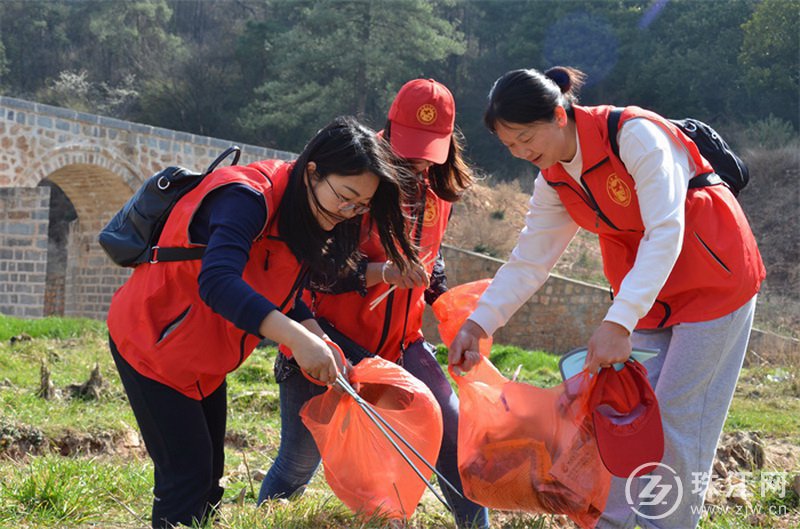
(610, 344)
(413, 277)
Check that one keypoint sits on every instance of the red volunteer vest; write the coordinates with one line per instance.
(719, 267)
(157, 319)
(397, 321)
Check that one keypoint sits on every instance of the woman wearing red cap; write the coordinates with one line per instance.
(679, 255)
(178, 328)
(420, 128)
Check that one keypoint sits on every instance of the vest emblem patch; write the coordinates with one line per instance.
(618, 190)
(431, 213)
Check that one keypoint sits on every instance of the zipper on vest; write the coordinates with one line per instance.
(667, 313)
(593, 202)
(301, 276)
(265, 175)
(589, 201)
(387, 319)
(173, 324)
(405, 325)
(199, 389)
(241, 351)
(599, 215)
(711, 253)
(418, 225)
(297, 282)
(587, 196)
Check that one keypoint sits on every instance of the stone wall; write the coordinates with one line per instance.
(23, 250)
(560, 317)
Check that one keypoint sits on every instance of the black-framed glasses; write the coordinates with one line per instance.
(348, 205)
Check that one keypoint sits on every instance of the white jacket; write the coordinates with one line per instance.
(661, 170)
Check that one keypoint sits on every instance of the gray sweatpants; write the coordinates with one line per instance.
(694, 377)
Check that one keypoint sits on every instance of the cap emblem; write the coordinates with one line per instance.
(426, 114)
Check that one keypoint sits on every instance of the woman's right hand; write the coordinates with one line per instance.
(315, 357)
(464, 352)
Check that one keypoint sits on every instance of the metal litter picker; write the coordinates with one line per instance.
(391, 434)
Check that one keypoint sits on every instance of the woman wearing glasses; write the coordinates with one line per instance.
(176, 329)
(420, 129)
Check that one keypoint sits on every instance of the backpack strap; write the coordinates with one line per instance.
(707, 179)
(613, 129)
(157, 254)
(701, 180)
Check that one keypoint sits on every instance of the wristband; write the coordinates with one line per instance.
(383, 271)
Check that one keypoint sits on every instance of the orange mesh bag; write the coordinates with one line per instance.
(454, 306)
(361, 466)
(525, 448)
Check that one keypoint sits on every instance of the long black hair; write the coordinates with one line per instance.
(450, 179)
(525, 96)
(346, 147)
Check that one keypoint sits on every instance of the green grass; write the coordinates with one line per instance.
(50, 327)
(767, 399)
(54, 491)
(772, 508)
(98, 486)
(537, 367)
(70, 361)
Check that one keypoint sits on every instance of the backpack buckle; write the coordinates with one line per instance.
(154, 254)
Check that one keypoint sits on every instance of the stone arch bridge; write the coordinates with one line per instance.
(63, 174)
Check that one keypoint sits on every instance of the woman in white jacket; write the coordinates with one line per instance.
(680, 257)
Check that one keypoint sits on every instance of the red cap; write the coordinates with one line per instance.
(423, 116)
(627, 420)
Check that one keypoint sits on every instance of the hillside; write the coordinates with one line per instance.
(490, 215)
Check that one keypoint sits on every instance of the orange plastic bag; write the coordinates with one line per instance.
(529, 449)
(454, 306)
(361, 466)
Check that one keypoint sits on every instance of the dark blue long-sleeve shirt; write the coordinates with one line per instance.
(228, 221)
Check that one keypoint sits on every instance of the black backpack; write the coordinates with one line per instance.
(729, 169)
(131, 237)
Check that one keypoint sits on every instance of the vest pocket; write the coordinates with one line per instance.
(710, 253)
(171, 326)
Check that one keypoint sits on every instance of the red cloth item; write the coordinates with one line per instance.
(201, 347)
(422, 116)
(397, 320)
(627, 420)
(454, 307)
(719, 267)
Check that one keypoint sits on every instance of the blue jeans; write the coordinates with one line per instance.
(298, 457)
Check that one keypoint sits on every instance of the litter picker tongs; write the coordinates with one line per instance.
(384, 427)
